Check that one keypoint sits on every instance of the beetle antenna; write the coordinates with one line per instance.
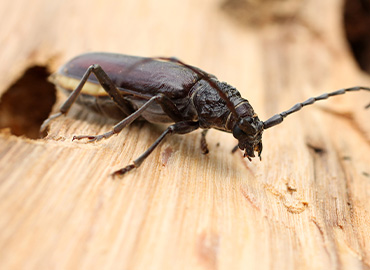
(278, 118)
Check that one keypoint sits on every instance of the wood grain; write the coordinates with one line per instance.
(304, 206)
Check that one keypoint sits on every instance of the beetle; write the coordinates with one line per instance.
(164, 90)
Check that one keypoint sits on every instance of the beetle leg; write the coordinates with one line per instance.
(118, 128)
(105, 82)
(203, 142)
(236, 147)
(166, 104)
(177, 128)
(170, 108)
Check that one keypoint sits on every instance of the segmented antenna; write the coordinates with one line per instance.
(278, 118)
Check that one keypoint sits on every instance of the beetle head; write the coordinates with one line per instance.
(248, 131)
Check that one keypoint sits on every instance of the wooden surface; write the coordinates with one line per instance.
(305, 206)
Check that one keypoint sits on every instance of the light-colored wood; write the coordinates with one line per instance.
(297, 209)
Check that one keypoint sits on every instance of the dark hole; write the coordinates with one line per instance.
(27, 103)
(357, 27)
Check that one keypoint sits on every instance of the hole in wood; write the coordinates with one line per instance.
(27, 103)
(356, 24)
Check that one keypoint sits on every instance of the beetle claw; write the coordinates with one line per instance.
(80, 137)
(123, 170)
(96, 138)
(46, 123)
(90, 137)
(248, 157)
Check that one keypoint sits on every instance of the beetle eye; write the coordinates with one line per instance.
(245, 125)
(237, 132)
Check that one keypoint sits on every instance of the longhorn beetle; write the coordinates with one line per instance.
(164, 90)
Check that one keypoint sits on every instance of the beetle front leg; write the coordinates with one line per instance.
(236, 147)
(203, 142)
(178, 128)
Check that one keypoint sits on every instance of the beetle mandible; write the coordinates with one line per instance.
(164, 90)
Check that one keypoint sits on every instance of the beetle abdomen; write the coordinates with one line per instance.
(136, 78)
(130, 74)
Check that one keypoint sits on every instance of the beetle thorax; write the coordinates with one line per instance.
(211, 109)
